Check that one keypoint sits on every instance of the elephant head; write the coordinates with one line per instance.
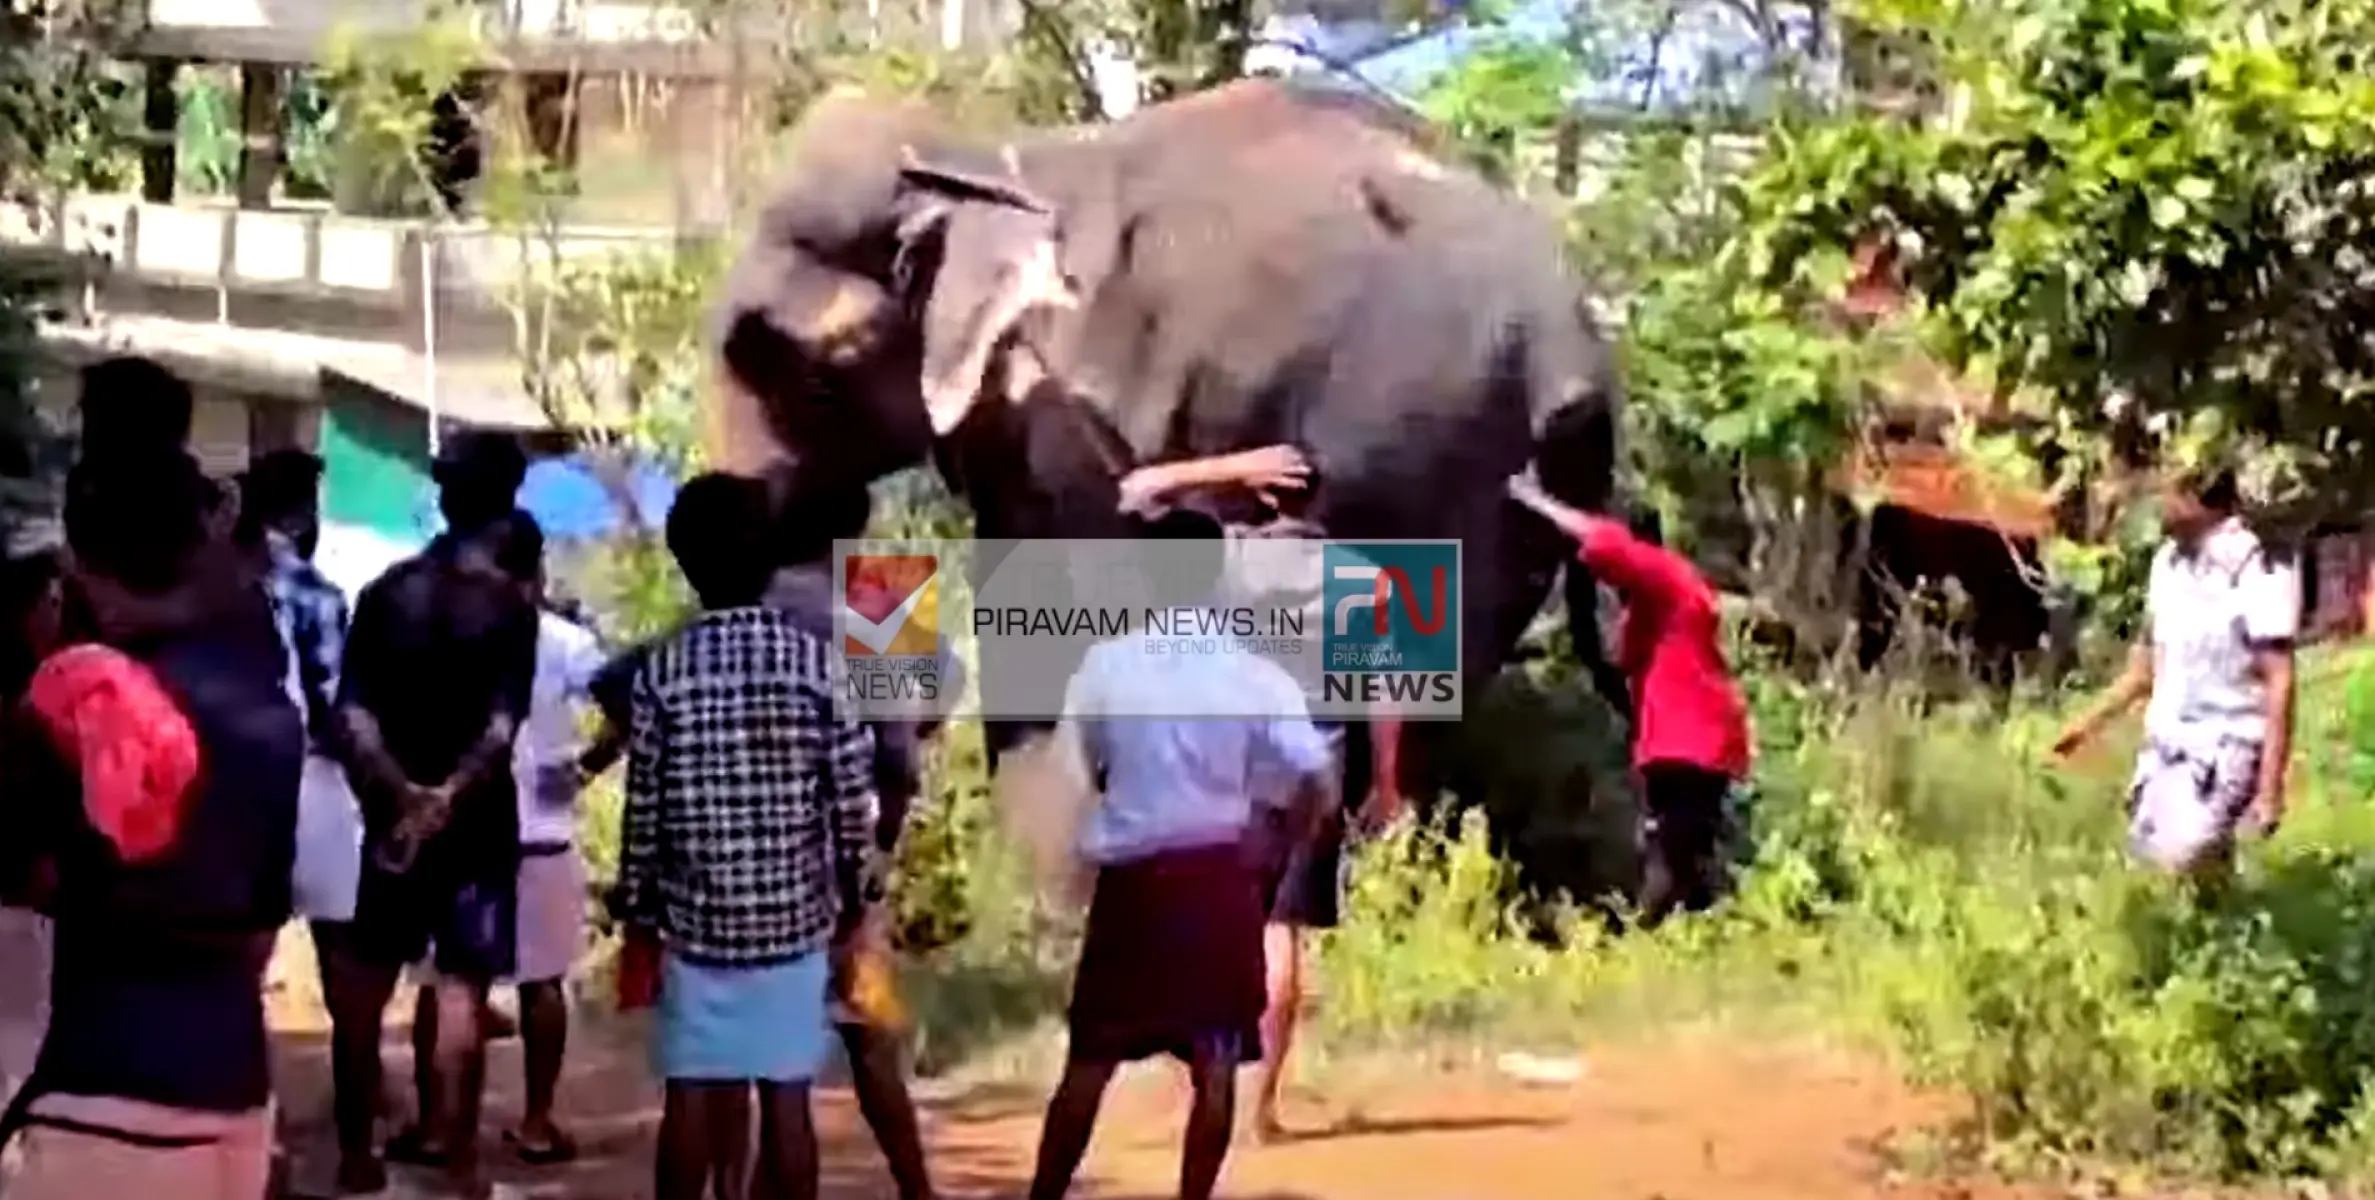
(887, 285)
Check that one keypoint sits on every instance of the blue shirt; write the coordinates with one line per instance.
(315, 613)
(1174, 783)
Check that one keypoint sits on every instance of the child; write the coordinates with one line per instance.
(749, 830)
(1172, 960)
(810, 513)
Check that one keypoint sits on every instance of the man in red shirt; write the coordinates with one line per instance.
(1690, 728)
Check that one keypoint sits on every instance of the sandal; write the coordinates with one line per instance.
(558, 1150)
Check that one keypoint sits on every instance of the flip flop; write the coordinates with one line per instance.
(549, 1154)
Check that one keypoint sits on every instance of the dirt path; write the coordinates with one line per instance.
(1719, 1122)
(1690, 1125)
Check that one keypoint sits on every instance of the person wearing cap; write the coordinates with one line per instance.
(2215, 671)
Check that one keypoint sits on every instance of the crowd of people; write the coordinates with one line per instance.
(204, 739)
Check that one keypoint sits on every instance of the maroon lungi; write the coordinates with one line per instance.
(1172, 959)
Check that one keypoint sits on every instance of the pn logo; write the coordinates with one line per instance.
(890, 605)
(1392, 606)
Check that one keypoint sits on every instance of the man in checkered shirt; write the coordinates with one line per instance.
(750, 824)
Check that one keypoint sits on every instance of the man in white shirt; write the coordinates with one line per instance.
(552, 764)
(1184, 748)
(2223, 612)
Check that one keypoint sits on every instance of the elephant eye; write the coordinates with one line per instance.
(913, 264)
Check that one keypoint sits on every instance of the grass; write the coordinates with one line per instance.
(1924, 887)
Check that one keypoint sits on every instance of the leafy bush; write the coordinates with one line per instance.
(1922, 885)
(1925, 886)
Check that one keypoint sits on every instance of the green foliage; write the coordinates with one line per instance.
(2149, 213)
(2142, 226)
(1911, 893)
(615, 348)
(383, 90)
(308, 151)
(31, 454)
(1512, 86)
(206, 137)
(1921, 883)
(1740, 402)
(69, 117)
(993, 92)
(1177, 48)
(65, 116)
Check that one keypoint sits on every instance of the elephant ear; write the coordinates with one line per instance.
(979, 250)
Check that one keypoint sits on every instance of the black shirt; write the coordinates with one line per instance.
(434, 653)
(157, 986)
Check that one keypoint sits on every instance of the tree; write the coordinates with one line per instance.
(2144, 226)
(1640, 121)
(2138, 228)
(63, 120)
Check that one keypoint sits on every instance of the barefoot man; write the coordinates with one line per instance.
(1172, 961)
(2217, 667)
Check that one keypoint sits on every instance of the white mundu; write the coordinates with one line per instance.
(567, 658)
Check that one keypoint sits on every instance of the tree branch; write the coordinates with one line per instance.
(1041, 24)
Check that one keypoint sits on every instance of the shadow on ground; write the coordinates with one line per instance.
(610, 1104)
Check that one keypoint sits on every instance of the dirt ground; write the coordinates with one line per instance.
(1724, 1123)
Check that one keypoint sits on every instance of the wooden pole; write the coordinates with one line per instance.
(161, 122)
(260, 89)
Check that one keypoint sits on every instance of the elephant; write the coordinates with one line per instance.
(1255, 264)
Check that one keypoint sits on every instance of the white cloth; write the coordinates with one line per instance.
(2187, 799)
(329, 859)
(551, 904)
(568, 656)
(291, 681)
(2208, 611)
(329, 844)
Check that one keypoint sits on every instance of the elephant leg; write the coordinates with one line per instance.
(1508, 562)
(1582, 596)
(1575, 460)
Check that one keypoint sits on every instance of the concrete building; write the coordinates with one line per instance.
(361, 333)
